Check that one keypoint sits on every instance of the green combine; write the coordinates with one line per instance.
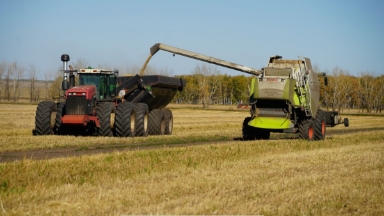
(284, 97)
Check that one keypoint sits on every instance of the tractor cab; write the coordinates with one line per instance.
(104, 81)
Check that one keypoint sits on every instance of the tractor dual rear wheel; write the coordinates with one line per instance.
(45, 118)
(125, 120)
(141, 121)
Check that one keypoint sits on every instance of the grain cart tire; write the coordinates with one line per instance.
(346, 122)
(104, 111)
(320, 125)
(168, 116)
(306, 129)
(141, 124)
(249, 133)
(156, 124)
(61, 111)
(125, 120)
(45, 118)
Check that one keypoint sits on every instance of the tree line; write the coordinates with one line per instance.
(206, 85)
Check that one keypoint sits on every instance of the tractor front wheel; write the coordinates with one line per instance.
(104, 111)
(45, 118)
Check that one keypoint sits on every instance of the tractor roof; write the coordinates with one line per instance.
(95, 70)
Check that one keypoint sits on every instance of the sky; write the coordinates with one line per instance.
(348, 34)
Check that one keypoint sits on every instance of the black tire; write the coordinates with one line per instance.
(346, 122)
(103, 113)
(306, 129)
(249, 133)
(320, 125)
(61, 111)
(125, 120)
(45, 118)
(263, 134)
(156, 122)
(141, 124)
(168, 117)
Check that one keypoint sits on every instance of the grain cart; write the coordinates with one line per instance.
(284, 97)
(93, 108)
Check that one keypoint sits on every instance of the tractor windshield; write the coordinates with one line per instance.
(105, 84)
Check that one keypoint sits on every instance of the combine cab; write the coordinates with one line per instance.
(94, 107)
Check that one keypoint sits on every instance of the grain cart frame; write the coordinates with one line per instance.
(284, 97)
(93, 108)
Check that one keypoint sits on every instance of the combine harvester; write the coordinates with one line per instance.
(284, 97)
(94, 108)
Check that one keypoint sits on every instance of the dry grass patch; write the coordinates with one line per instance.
(342, 175)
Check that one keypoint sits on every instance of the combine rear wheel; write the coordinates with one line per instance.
(168, 117)
(156, 121)
(249, 133)
(142, 113)
(320, 125)
(45, 118)
(125, 120)
(104, 111)
(306, 130)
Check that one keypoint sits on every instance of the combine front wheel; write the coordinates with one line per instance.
(61, 111)
(45, 118)
(306, 130)
(249, 133)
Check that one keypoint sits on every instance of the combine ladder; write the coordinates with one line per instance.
(303, 90)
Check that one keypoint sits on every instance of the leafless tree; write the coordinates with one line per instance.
(32, 78)
(18, 75)
(3, 68)
(47, 79)
(11, 68)
(367, 90)
(208, 82)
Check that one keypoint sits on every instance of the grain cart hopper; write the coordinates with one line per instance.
(284, 97)
(93, 107)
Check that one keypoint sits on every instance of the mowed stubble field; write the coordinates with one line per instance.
(216, 174)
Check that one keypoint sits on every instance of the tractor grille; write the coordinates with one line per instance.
(78, 105)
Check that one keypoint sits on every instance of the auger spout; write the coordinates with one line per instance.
(204, 58)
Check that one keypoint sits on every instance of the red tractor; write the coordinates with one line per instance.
(94, 107)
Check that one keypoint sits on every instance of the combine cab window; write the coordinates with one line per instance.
(105, 84)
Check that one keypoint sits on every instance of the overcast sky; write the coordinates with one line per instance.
(344, 33)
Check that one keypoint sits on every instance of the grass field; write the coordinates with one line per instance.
(342, 175)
